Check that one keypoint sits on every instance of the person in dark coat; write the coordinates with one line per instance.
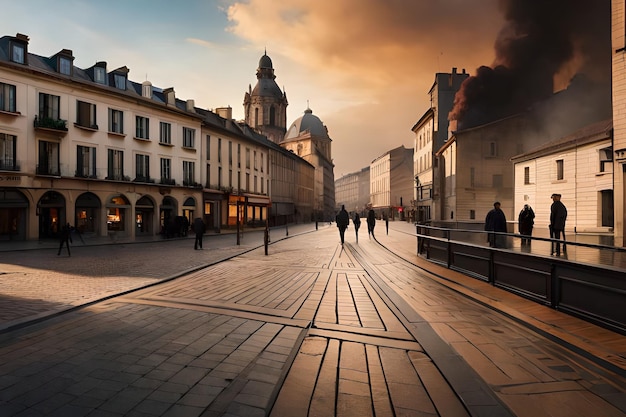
(496, 222)
(526, 220)
(65, 238)
(371, 222)
(558, 215)
(357, 224)
(342, 219)
(198, 228)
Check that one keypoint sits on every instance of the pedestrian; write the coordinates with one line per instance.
(357, 224)
(65, 238)
(371, 222)
(526, 220)
(198, 228)
(558, 215)
(496, 222)
(342, 219)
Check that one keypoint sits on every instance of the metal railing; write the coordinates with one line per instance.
(586, 280)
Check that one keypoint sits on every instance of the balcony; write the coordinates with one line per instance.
(167, 181)
(117, 177)
(145, 179)
(79, 174)
(47, 170)
(50, 124)
(9, 164)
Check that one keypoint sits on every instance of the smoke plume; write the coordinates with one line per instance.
(542, 46)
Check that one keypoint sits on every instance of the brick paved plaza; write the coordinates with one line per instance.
(311, 329)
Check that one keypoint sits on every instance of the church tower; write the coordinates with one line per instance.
(265, 106)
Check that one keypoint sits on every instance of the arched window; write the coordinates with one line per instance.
(272, 115)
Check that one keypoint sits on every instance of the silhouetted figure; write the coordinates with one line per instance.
(198, 228)
(558, 215)
(496, 222)
(371, 222)
(526, 220)
(65, 238)
(357, 224)
(342, 219)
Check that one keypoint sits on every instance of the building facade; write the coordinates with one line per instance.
(618, 11)
(353, 191)
(308, 138)
(392, 182)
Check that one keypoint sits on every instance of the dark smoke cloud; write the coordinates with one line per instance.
(542, 42)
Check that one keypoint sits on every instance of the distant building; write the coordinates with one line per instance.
(431, 132)
(392, 182)
(580, 168)
(353, 191)
(265, 106)
(308, 138)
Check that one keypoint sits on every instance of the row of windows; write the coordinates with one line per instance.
(238, 157)
(220, 181)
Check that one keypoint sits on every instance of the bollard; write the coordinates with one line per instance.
(286, 230)
(315, 224)
(266, 239)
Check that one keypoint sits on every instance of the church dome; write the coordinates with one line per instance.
(307, 123)
(267, 87)
(265, 62)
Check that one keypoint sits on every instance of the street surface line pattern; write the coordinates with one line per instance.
(328, 330)
(513, 360)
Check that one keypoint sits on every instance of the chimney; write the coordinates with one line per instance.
(453, 70)
(191, 106)
(170, 96)
(225, 112)
(146, 89)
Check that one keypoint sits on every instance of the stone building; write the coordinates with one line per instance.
(618, 11)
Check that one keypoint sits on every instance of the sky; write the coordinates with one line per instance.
(364, 67)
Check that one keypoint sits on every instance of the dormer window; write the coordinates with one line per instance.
(18, 52)
(99, 75)
(65, 65)
(120, 81)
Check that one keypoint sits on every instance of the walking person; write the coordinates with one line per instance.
(371, 222)
(65, 238)
(357, 224)
(198, 228)
(526, 220)
(496, 222)
(558, 215)
(342, 219)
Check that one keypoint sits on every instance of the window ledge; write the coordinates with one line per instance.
(10, 113)
(87, 128)
(166, 144)
(188, 148)
(117, 134)
(141, 139)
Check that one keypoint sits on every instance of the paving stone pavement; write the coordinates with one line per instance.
(311, 329)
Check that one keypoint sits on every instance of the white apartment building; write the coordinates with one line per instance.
(391, 182)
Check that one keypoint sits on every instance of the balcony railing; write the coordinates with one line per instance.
(144, 179)
(50, 123)
(167, 181)
(9, 165)
(117, 177)
(48, 170)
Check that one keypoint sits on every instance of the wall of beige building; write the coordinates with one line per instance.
(619, 118)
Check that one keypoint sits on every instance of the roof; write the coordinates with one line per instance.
(592, 133)
(307, 123)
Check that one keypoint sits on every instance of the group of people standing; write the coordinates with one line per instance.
(343, 220)
(496, 222)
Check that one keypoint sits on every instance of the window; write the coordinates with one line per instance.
(219, 150)
(65, 65)
(166, 170)
(189, 173)
(49, 106)
(559, 169)
(255, 182)
(142, 168)
(247, 159)
(472, 214)
(208, 148)
(165, 133)
(120, 81)
(230, 177)
(526, 175)
(85, 162)
(606, 159)
(247, 182)
(219, 177)
(7, 97)
(262, 159)
(208, 175)
(116, 121)
(255, 166)
(8, 145)
(18, 53)
(115, 169)
(142, 125)
(493, 149)
(48, 162)
(239, 155)
(99, 75)
(230, 153)
(189, 137)
(86, 114)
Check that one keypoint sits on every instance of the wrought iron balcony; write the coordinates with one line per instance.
(50, 123)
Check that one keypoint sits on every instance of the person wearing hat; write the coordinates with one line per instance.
(526, 220)
(558, 215)
(496, 222)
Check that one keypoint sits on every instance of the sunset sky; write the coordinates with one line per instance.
(364, 66)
